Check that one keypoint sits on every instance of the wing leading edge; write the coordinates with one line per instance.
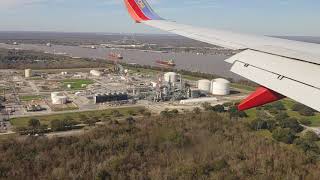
(280, 66)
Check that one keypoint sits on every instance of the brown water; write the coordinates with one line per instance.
(213, 64)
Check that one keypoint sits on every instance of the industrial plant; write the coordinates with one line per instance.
(36, 92)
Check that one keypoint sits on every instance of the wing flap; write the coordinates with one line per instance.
(300, 71)
(295, 90)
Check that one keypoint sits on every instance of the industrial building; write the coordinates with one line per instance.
(110, 97)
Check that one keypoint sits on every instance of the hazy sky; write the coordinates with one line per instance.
(269, 17)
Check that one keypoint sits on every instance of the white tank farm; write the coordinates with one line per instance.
(95, 73)
(220, 87)
(171, 77)
(204, 85)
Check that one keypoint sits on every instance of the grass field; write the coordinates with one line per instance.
(76, 84)
(7, 136)
(244, 87)
(315, 120)
(30, 98)
(78, 116)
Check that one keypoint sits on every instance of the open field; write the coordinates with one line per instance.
(30, 98)
(244, 87)
(77, 116)
(76, 84)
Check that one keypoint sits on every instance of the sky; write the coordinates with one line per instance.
(265, 17)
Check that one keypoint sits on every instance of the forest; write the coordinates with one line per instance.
(193, 145)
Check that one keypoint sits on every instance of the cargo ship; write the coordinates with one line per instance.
(169, 63)
(115, 56)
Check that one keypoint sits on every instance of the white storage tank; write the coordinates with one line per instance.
(204, 85)
(220, 87)
(55, 94)
(28, 73)
(58, 100)
(95, 73)
(171, 77)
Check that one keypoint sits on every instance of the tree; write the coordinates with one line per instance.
(281, 115)
(291, 123)
(147, 114)
(103, 175)
(284, 135)
(116, 113)
(206, 106)
(165, 113)
(311, 136)
(305, 122)
(308, 142)
(34, 123)
(142, 111)
(174, 111)
(258, 124)
(306, 111)
(196, 110)
(218, 108)
(57, 125)
(297, 107)
(130, 120)
(235, 113)
(131, 113)
(303, 110)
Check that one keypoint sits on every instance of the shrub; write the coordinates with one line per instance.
(284, 135)
(291, 123)
(305, 122)
(218, 108)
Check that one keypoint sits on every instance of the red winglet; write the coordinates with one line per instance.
(260, 97)
(132, 12)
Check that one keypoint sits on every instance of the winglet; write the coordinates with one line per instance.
(140, 10)
(260, 97)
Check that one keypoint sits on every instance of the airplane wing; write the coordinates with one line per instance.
(283, 68)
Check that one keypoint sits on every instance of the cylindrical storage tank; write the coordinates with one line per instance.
(194, 93)
(28, 73)
(95, 73)
(170, 77)
(220, 87)
(204, 85)
(58, 100)
(54, 94)
(154, 84)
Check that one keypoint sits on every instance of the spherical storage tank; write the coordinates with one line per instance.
(220, 87)
(170, 77)
(204, 85)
